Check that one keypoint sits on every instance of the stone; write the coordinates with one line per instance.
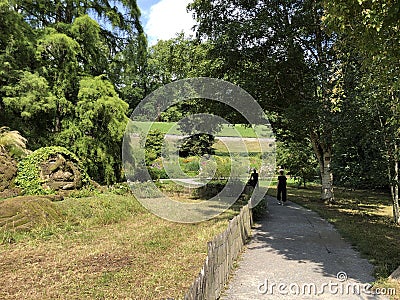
(25, 212)
(59, 173)
(396, 274)
(8, 171)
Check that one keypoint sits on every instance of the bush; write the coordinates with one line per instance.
(154, 145)
(192, 165)
(260, 209)
(122, 188)
(197, 145)
(157, 173)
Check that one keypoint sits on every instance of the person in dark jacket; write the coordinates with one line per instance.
(281, 194)
(253, 178)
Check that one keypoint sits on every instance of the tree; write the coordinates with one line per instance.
(278, 52)
(16, 53)
(371, 28)
(75, 70)
(179, 58)
(298, 158)
(95, 132)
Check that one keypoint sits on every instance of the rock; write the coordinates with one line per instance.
(59, 173)
(8, 171)
(396, 274)
(25, 212)
(50, 170)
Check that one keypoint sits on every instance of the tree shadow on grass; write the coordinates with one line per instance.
(296, 234)
(360, 219)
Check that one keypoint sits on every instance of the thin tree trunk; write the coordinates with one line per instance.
(324, 154)
(392, 157)
(394, 188)
(326, 177)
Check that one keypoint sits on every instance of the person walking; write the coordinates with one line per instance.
(281, 194)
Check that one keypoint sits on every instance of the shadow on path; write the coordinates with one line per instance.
(294, 254)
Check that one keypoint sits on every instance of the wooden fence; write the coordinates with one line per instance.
(223, 250)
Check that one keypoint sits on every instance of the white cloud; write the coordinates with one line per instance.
(166, 18)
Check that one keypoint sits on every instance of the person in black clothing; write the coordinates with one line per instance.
(281, 195)
(253, 178)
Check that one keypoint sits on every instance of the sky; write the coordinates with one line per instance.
(163, 19)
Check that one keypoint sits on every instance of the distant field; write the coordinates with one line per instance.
(227, 130)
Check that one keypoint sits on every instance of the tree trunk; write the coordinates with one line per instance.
(303, 175)
(394, 188)
(392, 157)
(326, 178)
(323, 152)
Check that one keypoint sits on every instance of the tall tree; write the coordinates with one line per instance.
(77, 55)
(371, 28)
(279, 53)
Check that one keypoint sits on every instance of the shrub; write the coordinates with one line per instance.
(260, 210)
(191, 165)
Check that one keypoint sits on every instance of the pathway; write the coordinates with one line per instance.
(294, 254)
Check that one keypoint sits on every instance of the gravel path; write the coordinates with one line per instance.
(294, 254)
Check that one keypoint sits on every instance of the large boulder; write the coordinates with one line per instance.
(59, 172)
(25, 212)
(8, 171)
(50, 169)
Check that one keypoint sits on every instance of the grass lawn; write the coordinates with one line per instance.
(364, 218)
(107, 247)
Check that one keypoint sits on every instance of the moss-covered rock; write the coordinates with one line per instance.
(50, 169)
(25, 212)
(8, 171)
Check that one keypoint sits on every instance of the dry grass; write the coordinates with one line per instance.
(139, 256)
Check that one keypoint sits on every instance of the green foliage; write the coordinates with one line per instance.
(93, 49)
(191, 165)
(86, 191)
(368, 39)
(298, 159)
(31, 96)
(28, 177)
(63, 74)
(216, 167)
(154, 144)
(179, 58)
(223, 167)
(157, 173)
(197, 145)
(279, 53)
(95, 132)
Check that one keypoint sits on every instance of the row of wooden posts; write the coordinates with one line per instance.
(223, 250)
